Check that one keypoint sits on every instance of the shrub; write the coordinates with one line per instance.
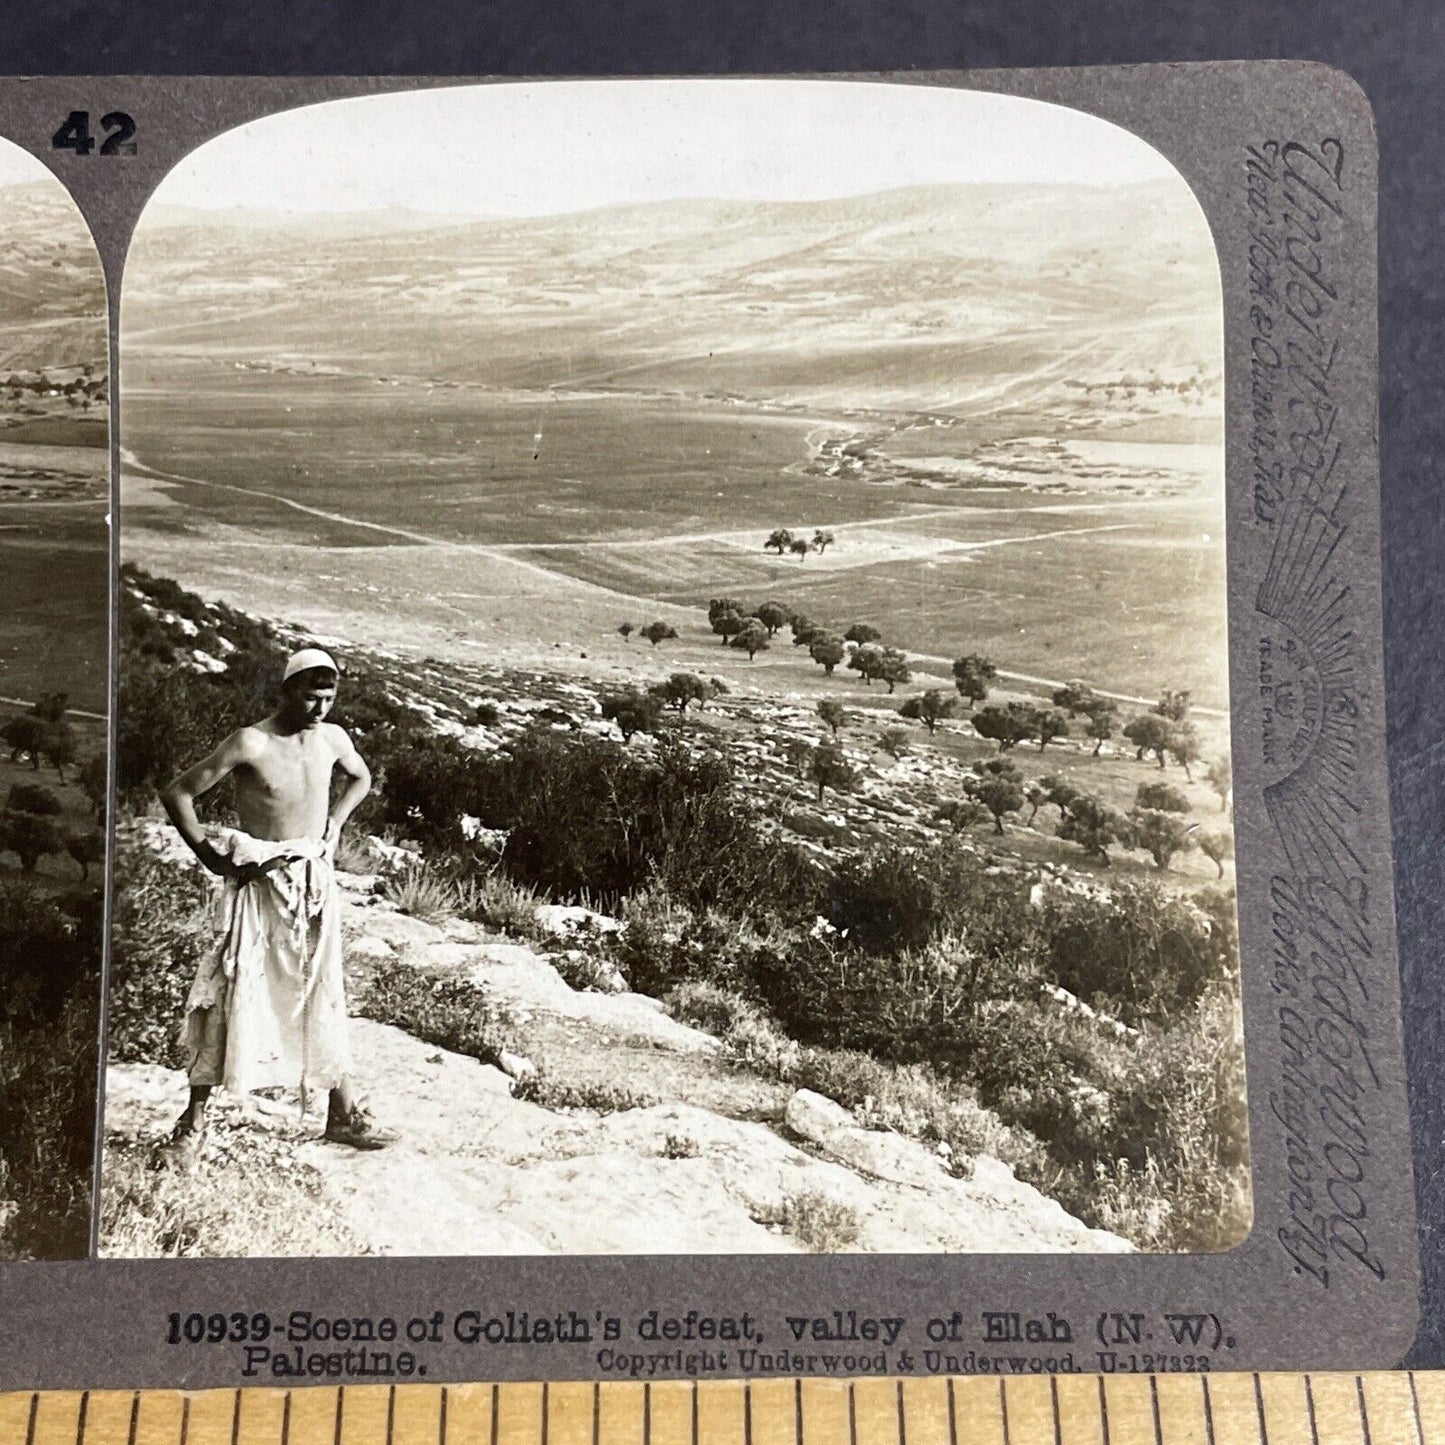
(160, 929)
(33, 798)
(594, 1095)
(894, 898)
(446, 1008)
(1170, 1167)
(885, 901)
(918, 1004)
(749, 1036)
(47, 1126)
(820, 1224)
(1018, 1067)
(353, 854)
(664, 946)
(922, 1103)
(680, 1146)
(585, 816)
(705, 1006)
(49, 1025)
(1139, 951)
(585, 972)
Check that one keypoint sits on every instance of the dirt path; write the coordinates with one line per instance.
(496, 555)
(69, 711)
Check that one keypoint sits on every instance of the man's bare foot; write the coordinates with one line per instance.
(356, 1129)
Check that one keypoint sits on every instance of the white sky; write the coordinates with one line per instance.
(17, 165)
(541, 148)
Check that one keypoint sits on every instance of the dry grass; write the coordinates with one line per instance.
(748, 1035)
(352, 853)
(249, 1196)
(443, 1008)
(498, 903)
(420, 891)
(821, 1225)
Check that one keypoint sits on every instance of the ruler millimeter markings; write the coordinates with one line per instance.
(1378, 1408)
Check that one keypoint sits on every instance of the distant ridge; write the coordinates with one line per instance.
(382, 221)
(392, 219)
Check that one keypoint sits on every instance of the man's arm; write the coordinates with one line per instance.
(179, 798)
(358, 785)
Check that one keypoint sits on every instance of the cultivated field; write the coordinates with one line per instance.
(1016, 445)
(53, 558)
(53, 437)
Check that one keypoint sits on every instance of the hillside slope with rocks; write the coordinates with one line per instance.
(707, 1157)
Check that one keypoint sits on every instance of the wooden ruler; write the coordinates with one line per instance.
(1394, 1408)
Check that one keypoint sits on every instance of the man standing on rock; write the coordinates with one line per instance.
(268, 1005)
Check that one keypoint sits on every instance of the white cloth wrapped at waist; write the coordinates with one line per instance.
(276, 971)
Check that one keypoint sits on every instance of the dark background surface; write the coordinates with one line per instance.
(1394, 48)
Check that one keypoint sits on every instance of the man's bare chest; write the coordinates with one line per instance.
(291, 771)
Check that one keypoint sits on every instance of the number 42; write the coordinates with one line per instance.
(74, 134)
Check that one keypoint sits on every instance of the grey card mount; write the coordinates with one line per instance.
(746, 731)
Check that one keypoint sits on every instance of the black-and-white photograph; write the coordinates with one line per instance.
(673, 688)
(54, 565)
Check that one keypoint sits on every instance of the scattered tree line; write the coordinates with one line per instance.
(28, 822)
(1157, 824)
(783, 541)
(80, 391)
(641, 710)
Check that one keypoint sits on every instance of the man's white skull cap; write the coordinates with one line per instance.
(306, 659)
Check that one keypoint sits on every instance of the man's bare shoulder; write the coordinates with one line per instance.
(338, 738)
(249, 743)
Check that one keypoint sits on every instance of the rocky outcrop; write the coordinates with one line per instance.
(480, 1171)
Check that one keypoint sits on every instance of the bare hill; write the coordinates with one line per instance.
(52, 293)
(924, 297)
